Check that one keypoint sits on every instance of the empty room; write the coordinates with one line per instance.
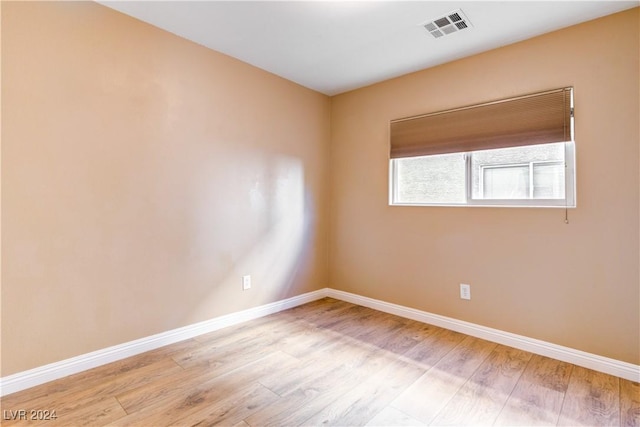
(382, 213)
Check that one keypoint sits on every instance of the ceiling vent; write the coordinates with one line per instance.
(450, 23)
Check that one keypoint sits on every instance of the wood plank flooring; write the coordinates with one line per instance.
(331, 363)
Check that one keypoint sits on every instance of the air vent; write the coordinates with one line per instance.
(455, 17)
(452, 22)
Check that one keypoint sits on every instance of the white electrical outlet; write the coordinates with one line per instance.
(465, 291)
(246, 282)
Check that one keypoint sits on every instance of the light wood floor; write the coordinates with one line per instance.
(333, 363)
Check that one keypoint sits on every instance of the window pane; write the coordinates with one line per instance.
(430, 179)
(535, 175)
(508, 182)
(548, 180)
(499, 174)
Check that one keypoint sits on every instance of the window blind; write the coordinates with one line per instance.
(538, 118)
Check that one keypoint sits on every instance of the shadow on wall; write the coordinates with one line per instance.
(268, 226)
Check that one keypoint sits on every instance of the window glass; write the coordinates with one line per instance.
(505, 182)
(505, 176)
(510, 170)
(548, 180)
(431, 179)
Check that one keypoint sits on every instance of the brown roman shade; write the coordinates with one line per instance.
(538, 118)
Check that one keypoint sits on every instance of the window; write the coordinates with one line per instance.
(468, 163)
(534, 175)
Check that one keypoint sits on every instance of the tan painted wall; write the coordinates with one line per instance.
(142, 176)
(576, 285)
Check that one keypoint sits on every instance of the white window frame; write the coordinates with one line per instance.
(568, 202)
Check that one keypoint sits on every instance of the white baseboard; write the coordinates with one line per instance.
(33, 377)
(577, 357)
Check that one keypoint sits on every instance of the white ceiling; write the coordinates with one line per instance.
(336, 46)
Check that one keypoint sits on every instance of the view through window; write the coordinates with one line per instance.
(539, 175)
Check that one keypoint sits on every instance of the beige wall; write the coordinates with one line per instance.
(576, 285)
(142, 176)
